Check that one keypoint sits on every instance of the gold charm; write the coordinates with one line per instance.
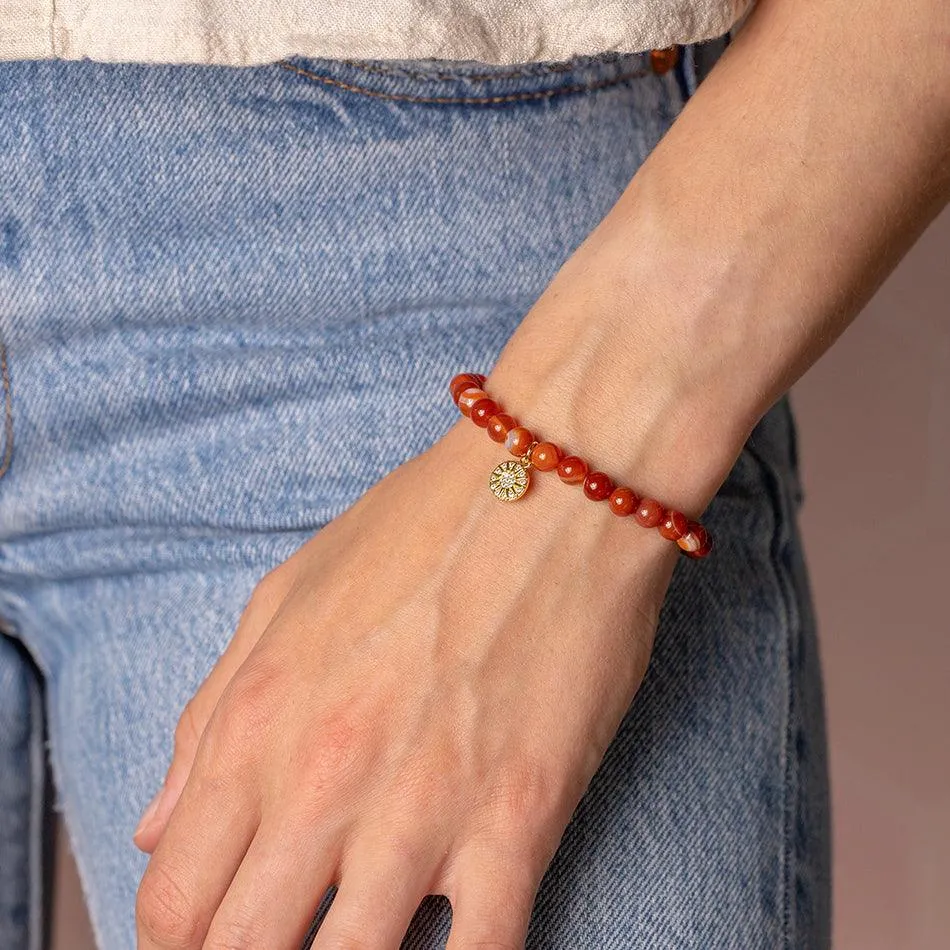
(509, 481)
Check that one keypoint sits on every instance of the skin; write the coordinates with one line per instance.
(422, 715)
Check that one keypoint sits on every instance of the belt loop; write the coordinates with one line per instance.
(686, 70)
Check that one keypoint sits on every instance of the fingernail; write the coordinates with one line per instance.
(149, 812)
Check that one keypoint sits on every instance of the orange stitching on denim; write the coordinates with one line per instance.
(7, 412)
(530, 71)
(466, 100)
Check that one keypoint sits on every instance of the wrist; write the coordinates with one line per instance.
(594, 369)
(551, 517)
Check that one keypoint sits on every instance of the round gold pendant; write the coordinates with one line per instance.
(509, 481)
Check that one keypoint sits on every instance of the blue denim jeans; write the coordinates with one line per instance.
(230, 302)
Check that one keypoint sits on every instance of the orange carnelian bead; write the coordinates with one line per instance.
(518, 440)
(663, 60)
(572, 470)
(499, 426)
(462, 382)
(674, 526)
(545, 456)
(482, 411)
(688, 543)
(694, 538)
(623, 501)
(649, 513)
(703, 549)
(469, 397)
(598, 486)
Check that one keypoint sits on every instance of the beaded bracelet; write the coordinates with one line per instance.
(509, 480)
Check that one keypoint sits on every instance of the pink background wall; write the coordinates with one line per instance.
(874, 418)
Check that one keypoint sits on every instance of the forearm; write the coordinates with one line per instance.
(804, 167)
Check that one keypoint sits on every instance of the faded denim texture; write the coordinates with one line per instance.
(230, 301)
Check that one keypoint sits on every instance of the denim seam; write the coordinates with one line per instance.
(791, 783)
(783, 512)
(523, 71)
(465, 100)
(7, 459)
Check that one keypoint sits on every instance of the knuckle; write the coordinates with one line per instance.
(255, 691)
(165, 913)
(522, 794)
(337, 754)
(248, 710)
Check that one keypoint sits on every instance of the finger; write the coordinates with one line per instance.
(260, 610)
(382, 884)
(276, 891)
(196, 859)
(491, 903)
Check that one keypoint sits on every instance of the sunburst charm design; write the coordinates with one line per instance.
(509, 481)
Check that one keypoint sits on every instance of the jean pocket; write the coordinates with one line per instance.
(466, 82)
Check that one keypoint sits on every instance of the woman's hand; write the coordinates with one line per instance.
(413, 703)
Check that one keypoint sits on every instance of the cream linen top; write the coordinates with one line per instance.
(246, 32)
